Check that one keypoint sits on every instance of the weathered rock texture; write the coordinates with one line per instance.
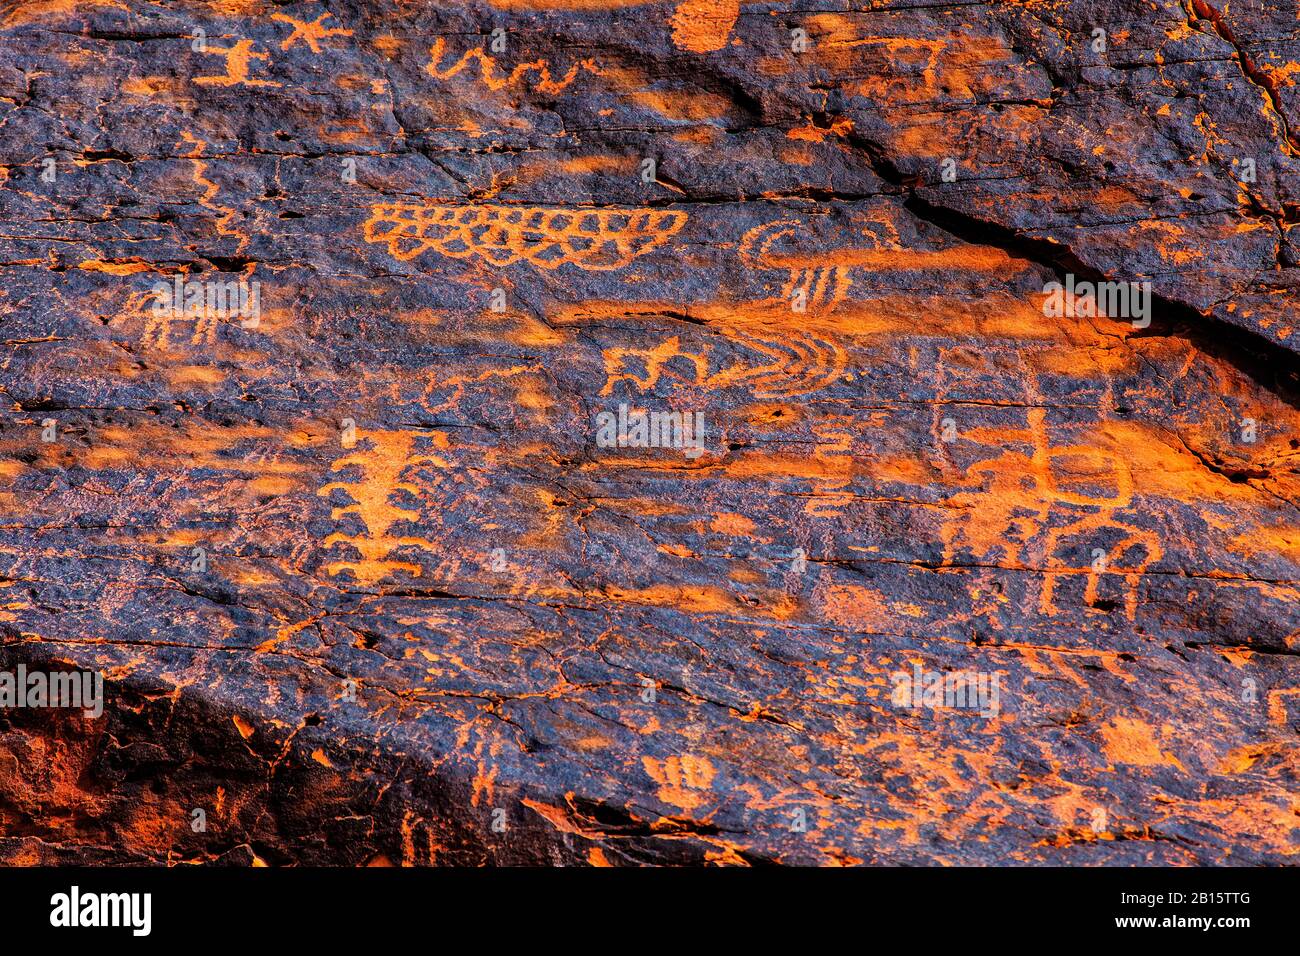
(473, 614)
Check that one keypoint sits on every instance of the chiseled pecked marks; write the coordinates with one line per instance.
(384, 474)
(588, 239)
(768, 592)
(536, 74)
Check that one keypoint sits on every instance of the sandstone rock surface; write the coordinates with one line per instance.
(365, 588)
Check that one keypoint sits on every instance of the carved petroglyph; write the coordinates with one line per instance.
(683, 781)
(588, 239)
(795, 365)
(544, 82)
(823, 287)
(834, 454)
(922, 70)
(798, 365)
(620, 364)
(447, 394)
(309, 33)
(818, 280)
(789, 358)
(385, 469)
(158, 323)
(239, 60)
(210, 189)
(158, 327)
(1022, 500)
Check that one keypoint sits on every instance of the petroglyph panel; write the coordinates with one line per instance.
(359, 563)
(590, 239)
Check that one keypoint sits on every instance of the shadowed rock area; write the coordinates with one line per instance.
(312, 316)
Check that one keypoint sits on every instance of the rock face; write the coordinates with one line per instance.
(934, 565)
